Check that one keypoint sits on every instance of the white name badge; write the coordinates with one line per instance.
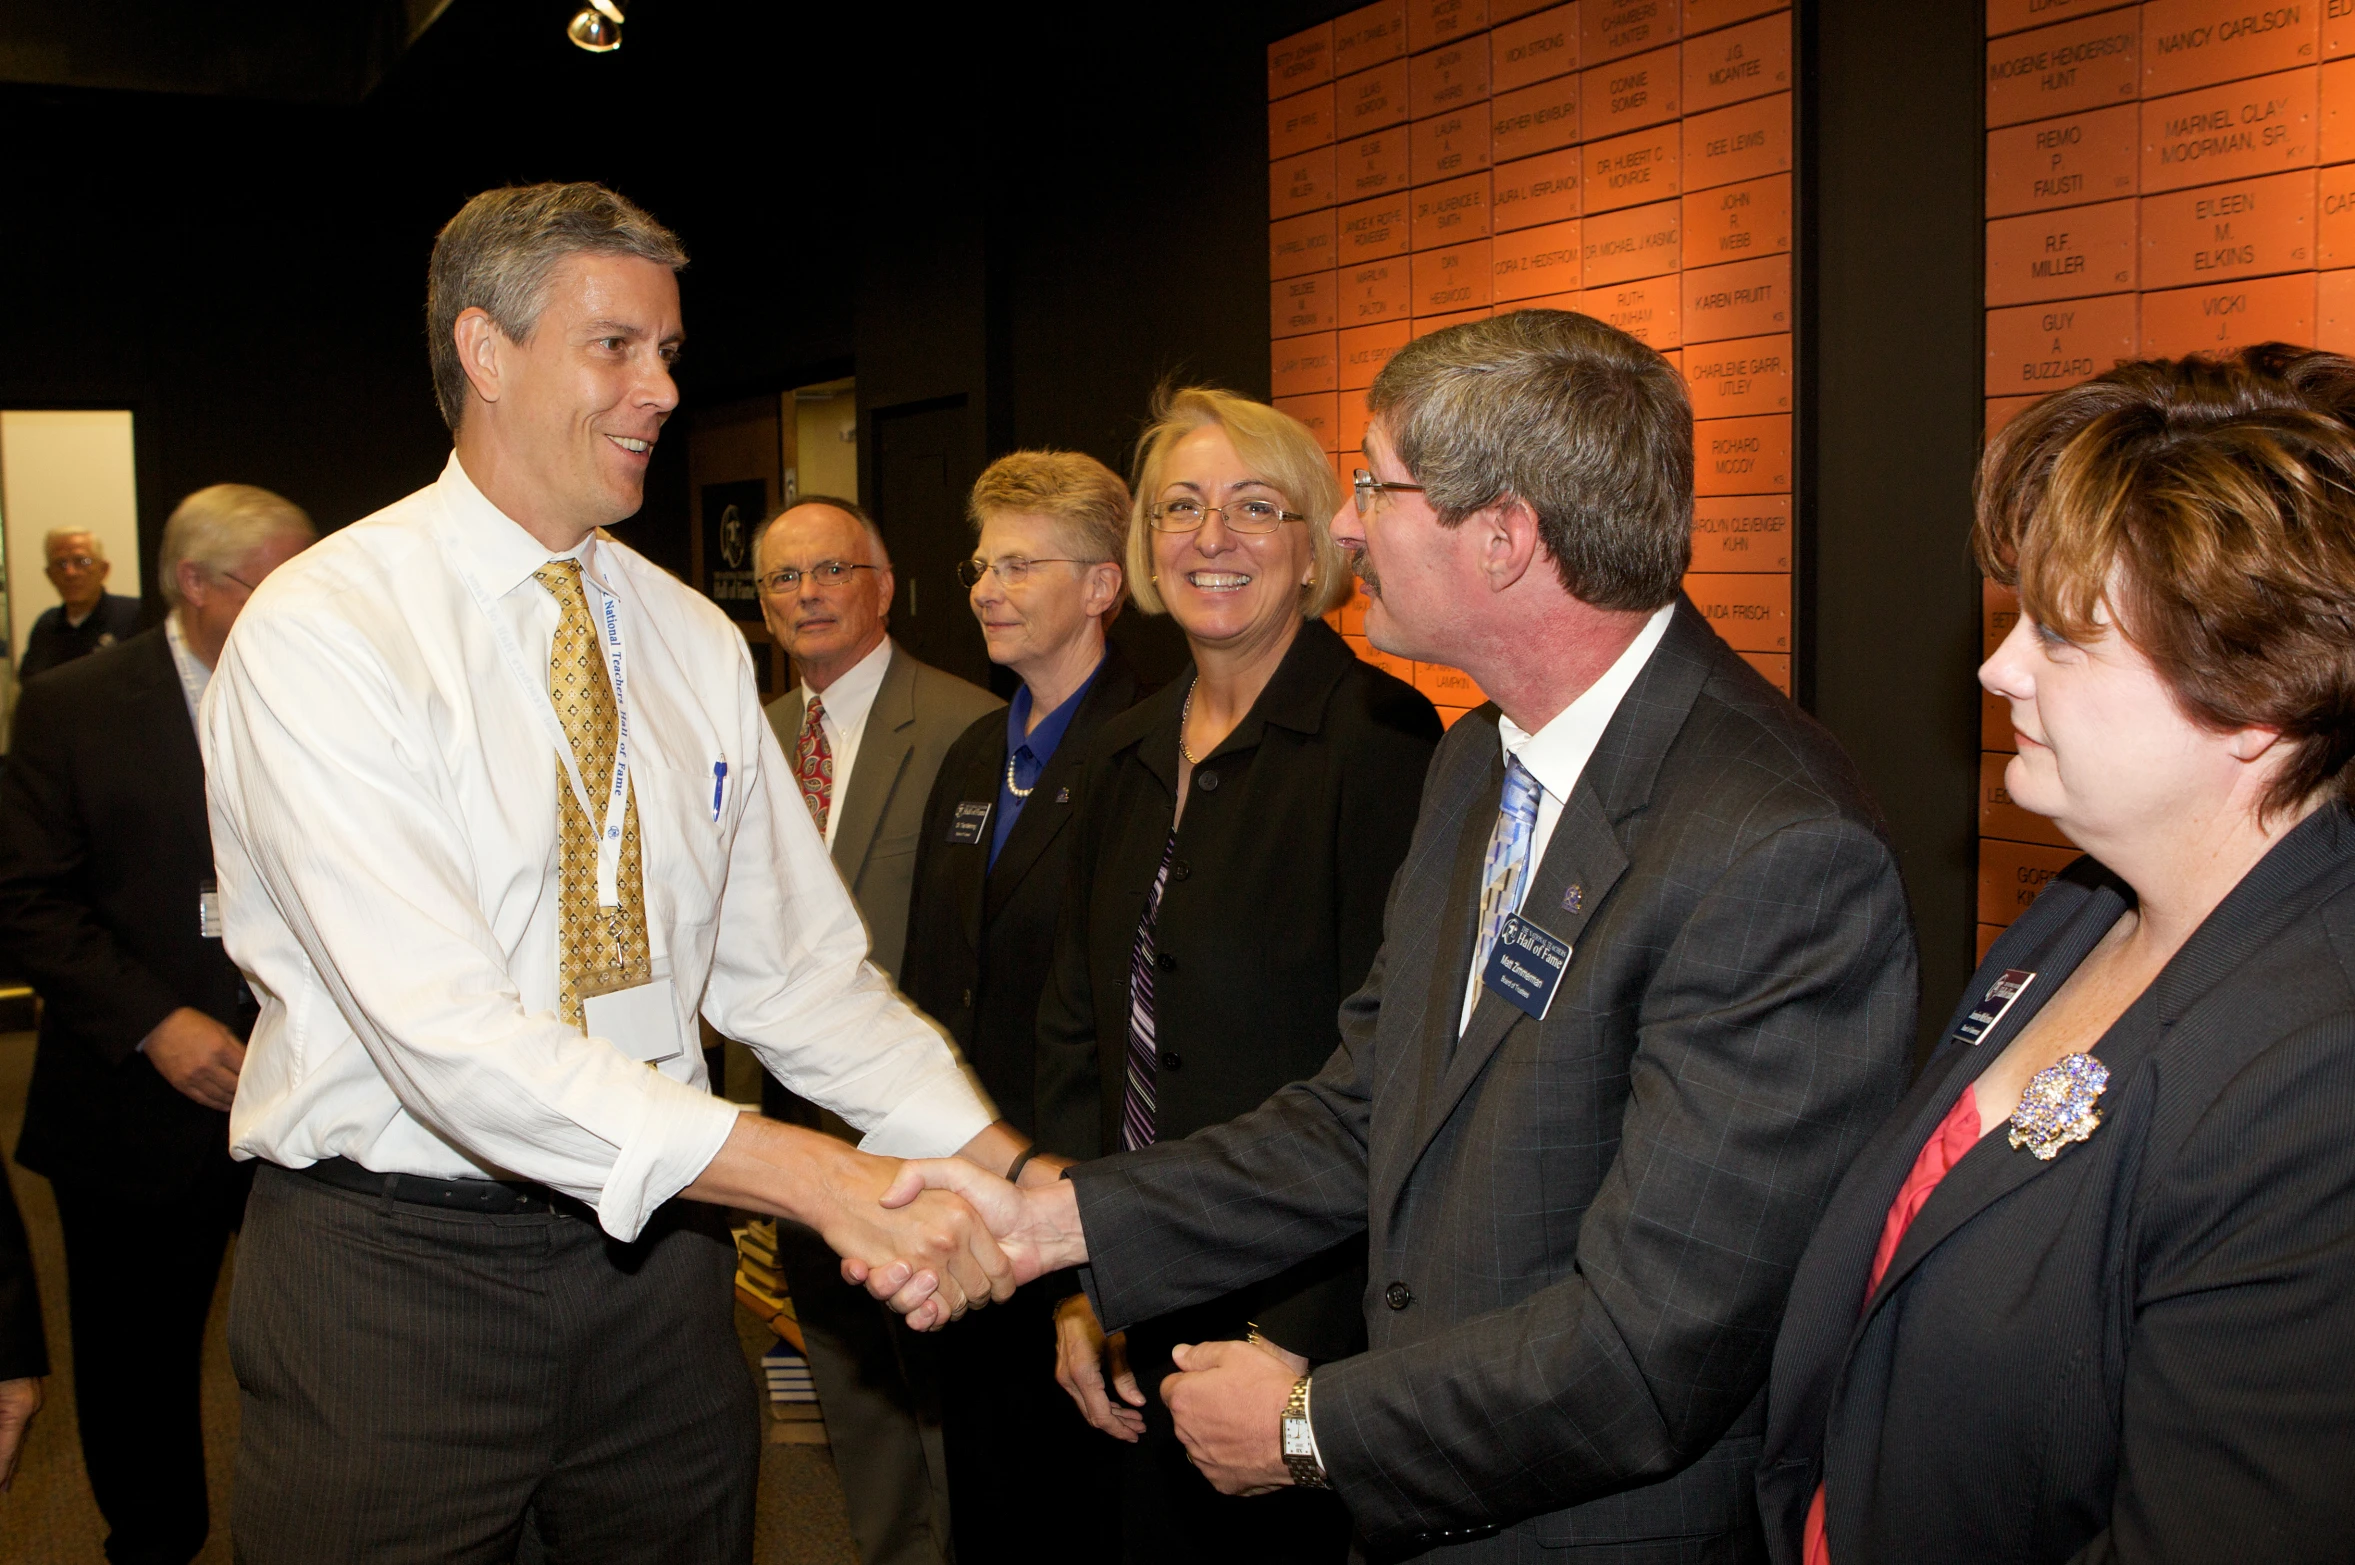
(642, 1020)
(208, 914)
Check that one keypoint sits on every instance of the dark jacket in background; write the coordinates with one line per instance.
(981, 938)
(52, 642)
(1583, 1228)
(2140, 1349)
(24, 1351)
(1271, 916)
(104, 851)
(1027, 1477)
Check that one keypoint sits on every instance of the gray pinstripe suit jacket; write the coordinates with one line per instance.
(1581, 1231)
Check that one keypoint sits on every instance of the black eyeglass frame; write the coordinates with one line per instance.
(1364, 486)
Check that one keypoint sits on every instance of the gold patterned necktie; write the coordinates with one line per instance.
(597, 948)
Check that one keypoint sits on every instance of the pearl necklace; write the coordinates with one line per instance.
(1185, 716)
(1019, 793)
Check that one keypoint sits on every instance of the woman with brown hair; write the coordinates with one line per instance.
(2088, 1293)
(1237, 836)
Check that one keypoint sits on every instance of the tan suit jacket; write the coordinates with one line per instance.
(919, 712)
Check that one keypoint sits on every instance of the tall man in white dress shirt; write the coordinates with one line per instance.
(497, 814)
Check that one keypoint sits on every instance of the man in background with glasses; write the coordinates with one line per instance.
(90, 617)
(865, 727)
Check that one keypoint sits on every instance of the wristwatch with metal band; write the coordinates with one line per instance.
(1300, 1447)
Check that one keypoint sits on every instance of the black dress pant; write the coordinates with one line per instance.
(1169, 1514)
(1029, 1481)
(445, 1388)
(139, 1279)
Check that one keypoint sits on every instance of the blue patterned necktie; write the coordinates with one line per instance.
(1504, 874)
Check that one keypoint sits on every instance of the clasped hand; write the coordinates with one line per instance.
(1036, 1228)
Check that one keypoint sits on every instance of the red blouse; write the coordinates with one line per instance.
(1956, 1134)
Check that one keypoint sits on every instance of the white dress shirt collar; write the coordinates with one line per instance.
(492, 546)
(194, 676)
(1556, 755)
(852, 694)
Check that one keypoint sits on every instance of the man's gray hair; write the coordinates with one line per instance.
(497, 255)
(850, 508)
(220, 525)
(57, 535)
(1586, 425)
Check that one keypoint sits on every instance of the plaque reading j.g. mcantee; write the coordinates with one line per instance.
(2062, 254)
(2086, 64)
(1624, 95)
(1739, 377)
(1534, 48)
(2191, 43)
(2217, 233)
(1742, 532)
(2232, 131)
(2068, 161)
(2037, 348)
(1633, 169)
(1739, 62)
(1729, 222)
(1543, 189)
(1633, 242)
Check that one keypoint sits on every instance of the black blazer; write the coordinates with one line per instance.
(104, 851)
(1272, 913)
(2135, 1351)
(981, 940)
(1582, 1229)
(52, 643)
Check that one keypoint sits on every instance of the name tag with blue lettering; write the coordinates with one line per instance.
(1527, 966)
(970, 819)
(1990, 1010)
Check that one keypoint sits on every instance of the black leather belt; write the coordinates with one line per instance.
(491, 1197)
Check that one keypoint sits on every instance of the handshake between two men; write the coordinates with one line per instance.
(1226, 1399)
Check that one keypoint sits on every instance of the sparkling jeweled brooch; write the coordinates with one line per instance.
(2058, 1106)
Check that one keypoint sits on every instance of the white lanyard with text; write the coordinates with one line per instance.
(618, 793)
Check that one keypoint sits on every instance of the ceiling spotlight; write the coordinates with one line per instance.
(598, 26)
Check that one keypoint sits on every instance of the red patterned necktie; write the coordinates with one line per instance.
(813, 764)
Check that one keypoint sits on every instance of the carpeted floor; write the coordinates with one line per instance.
(48, 1517)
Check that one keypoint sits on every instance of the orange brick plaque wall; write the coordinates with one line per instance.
(1437, 161)
(2163, 178)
